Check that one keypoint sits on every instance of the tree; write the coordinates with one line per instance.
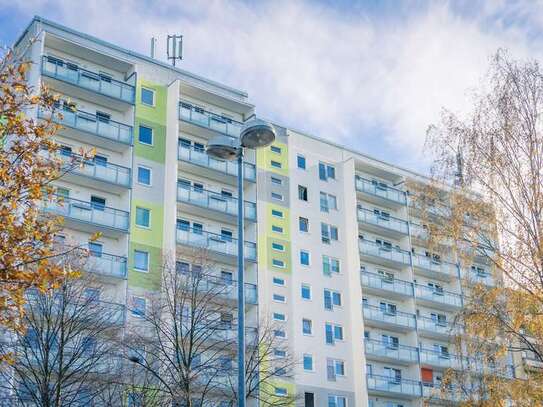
(27, 168)
(67, 356)
(184, 343)
(493, 216)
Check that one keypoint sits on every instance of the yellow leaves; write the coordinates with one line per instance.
(95, 236)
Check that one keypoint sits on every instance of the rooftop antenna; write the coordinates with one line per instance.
(174, 48)
(153, 47)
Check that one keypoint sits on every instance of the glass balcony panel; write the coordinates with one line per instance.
(440, 267)
(388, 350)
(227, 167)
(370, 248)
(394, 385)
(214, 242)
(85, 212)
(382, 282)
(190, 113)
(442, 297)
(389, 222)
(395, 318)
(107, 264)
(88, 80)
(388, 193)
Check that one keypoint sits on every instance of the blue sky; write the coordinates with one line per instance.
(369, 74)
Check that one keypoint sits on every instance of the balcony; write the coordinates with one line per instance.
(437, 394)
(436, 359)
(107, 265)
(214, 243)
(89, 82)
(212, 201)
(386, 225)
(95, 173)
(429, 267)
(419, 232)
(387, 352)
(446, 299)
(89, 128)
(532, 361)
(436, 329)
(393, 386)
(379, 193)
(88, 216)
(199, 162)
(227, 290)
(377, 283)
(230, 334)
(194, 115)
(377, 316)
(385, 255)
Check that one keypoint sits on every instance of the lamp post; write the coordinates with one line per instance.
(254, 134)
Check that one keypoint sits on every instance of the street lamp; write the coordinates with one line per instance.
(254, 134)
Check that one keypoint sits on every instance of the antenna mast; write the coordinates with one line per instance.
(174, 48)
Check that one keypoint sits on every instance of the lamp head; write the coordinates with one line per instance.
(257, 133)
(223, 147)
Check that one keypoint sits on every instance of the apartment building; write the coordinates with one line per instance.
(335, 253)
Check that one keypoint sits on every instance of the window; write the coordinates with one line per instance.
(306, 292)
(439, 319)
(278, 247)
(279, 298)
(95, 249)
(330, 265)
(277, 196)
(278, 263)
(279, 281)
(276, 181)
(145, 135)
(275, 149)
(275, 164)
(141, 260)
(328, 233)
(147, 96)
(327, 201)
(302, 193)
(304, 258)
(309, 399)
(280, 333)
(326, 171)
(339, 367)
(479, 271)
(307, 326)
(308, 362)
(143, 217)
(139, 305)
(276, 213)
(436, 288)
(388, 308)
(391, 342)
(331, 299)
(333, 333)
(300, 159)
(144, 175)
(279, 317)
(227, 277)
(98, 203)
(279, 353)
(92, 294)
(281, 391)
(303, 224)
(394, 375)
(337, 401)
(65, 151)
(277, 229)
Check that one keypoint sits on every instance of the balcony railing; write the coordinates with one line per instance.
(87, 212)
(103, 171)
(388, 222)
(199, 157)
(439, 296)
(213, 121)
(387, 350)
(404, 387)
(214, 201)
(214, 242)
(437, 392)
(369, 248)
(92, 124)
(418, 231)
(382, 282)
(226, 289)
(439, 267)
(388, 193)
(107, 264)
(441, 359)
(436, 326)
(99, 83)
(402, 319)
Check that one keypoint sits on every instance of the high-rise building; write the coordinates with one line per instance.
(335, 253)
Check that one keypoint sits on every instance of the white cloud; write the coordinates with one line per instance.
(357, 79)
